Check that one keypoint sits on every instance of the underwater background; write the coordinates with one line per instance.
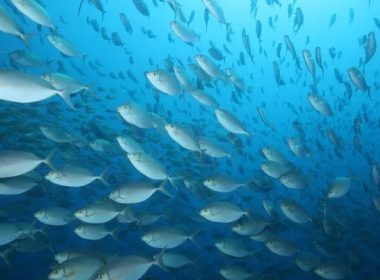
(264, 139)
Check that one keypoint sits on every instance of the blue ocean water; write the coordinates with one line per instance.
(336, 135)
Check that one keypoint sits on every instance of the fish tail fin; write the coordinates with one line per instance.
(102, 176)
(159, 261)
(172, 182)
(4, 255)
(26, 37)
(84, 56)
(49, 159)
(162, 189)
(114, 233)
(192, 239)
(65, 94)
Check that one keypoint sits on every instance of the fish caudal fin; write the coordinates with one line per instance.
(102, 177)
(162, 189)
(49, 159)
(158, 260)
(26, 37)
(66, 96)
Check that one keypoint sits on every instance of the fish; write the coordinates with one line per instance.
(222, 183)
(167, 237)
(14, 85)
(183, 32)
(136, 192)
(94, 231)
(126, 23)
(142, 7)
(62, 81)
(64, 46)
(10, 26)
(164, 81)
(17, 185)
(35, 11)
(318, 57)
(215, 10)
(332, 20)
(134, 267)
(339, 187)
(76, 269)
(100, 212)
(320, 104)
(74, 176)
(370, 47)
(183, 136)
(247, 44)
(358, 80)
(135, 115)
(209, 67)
(230, 122)
(54, 216)
(20, 162)
(295, 212)
(281, 247)
(222, 212)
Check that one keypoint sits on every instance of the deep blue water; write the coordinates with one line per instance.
(355, 240)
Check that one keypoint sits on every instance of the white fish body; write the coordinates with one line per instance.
(136, 192)
(99, 212)
(147, 166)
(79, 268)
(9, 233)
(65, 82)
(208, 66)
(232, 247)
(184, 137)
(92, 231)
(273, 168)
(73, 176)
(17, 185)
(230, 122)
(136, 115)
(10, 26)
(320, 104)
(33, 10)
(204, 98)
(211, 148)
(182, 78)
(281, 247)
(165, 237)
(175, 260)
(295, 212)
(64, 46)
(15, 163)
(164, 81)
(55, 134)
(25, 88)
(222, 183)
(129, 145)
(215, 10)
(127, 268)
(222, 212)
(183, 32)
(339, 187)
(54, 216)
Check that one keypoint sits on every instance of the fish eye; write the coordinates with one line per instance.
(55, 271)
